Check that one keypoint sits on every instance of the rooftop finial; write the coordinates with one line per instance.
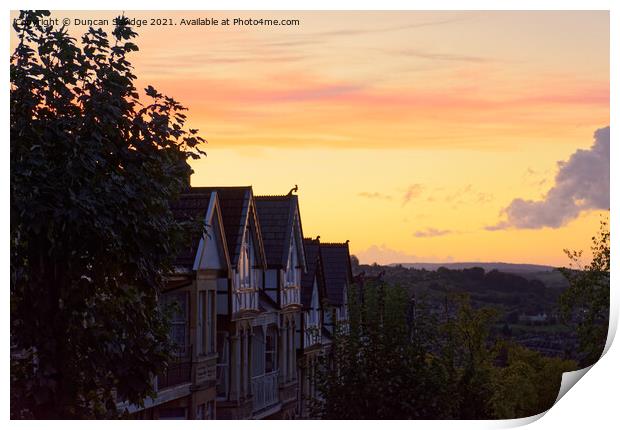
(347, 241)
(294, 189)
(318, 237)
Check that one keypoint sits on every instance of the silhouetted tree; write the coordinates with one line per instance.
(468, 355)
(380, 368)
(528, 384)
(397, 359)
(586, 301)
(92, 237)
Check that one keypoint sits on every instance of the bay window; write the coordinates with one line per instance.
(201, 329)
(179, 323)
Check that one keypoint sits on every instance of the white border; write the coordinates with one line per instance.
(591, 404)
(322, 5)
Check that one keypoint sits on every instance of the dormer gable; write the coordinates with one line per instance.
(206, 247)
(237, 210)
(243, 243)
(281, 229)
(314, 276)
(337, 271)
(212, 253)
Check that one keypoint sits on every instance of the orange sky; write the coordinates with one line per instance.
(408, 133)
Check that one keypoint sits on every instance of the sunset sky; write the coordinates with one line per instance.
(409, 133)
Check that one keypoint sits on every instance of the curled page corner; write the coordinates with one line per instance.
(520, 422)
(569, 379)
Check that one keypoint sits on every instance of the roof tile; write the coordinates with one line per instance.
(337, 270)
(276, 214)
(186, 208)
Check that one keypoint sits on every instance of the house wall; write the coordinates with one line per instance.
(212, 252)
(312, 319)
(237, 401)
(205, 360)
(199, 364)
(271, 284)
(223, 296)
(172, 410)
(247, 276)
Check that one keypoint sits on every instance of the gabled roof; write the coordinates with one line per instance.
(279, 218)
(337, 270)
(237, 207)
(190, 207)
(204, 210)
(313, 270)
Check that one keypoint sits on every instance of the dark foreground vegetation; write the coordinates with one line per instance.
(93, 169)
(450, 350)
(399, 359)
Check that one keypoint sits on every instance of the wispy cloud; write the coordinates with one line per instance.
(383, 254)
(249, 51)
(375, 195)
(412, 192)
(289, 81)
(458, 194)
(362, 31)
(484, 198)
(317, 93)
(431, 232)
(330, 105)
(440, 56)
(581, 184)
(292, 43)
(467, 195)
(535, 178)
(196, 59)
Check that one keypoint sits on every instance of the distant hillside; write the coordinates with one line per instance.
(527, 292)
(502, 267)
(551, 277)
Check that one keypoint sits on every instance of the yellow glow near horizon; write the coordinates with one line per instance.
(464, 110)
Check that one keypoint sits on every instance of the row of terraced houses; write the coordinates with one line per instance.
(257, 306)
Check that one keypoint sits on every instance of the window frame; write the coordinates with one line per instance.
(211, 322)
(223, 362)
(271, 349)
(179, 319)
(201, 326)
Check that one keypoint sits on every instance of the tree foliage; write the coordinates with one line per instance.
(528, 384)
(586, 301)
(398, 358)
(92, 235)
(469, 355)
(375, 360)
